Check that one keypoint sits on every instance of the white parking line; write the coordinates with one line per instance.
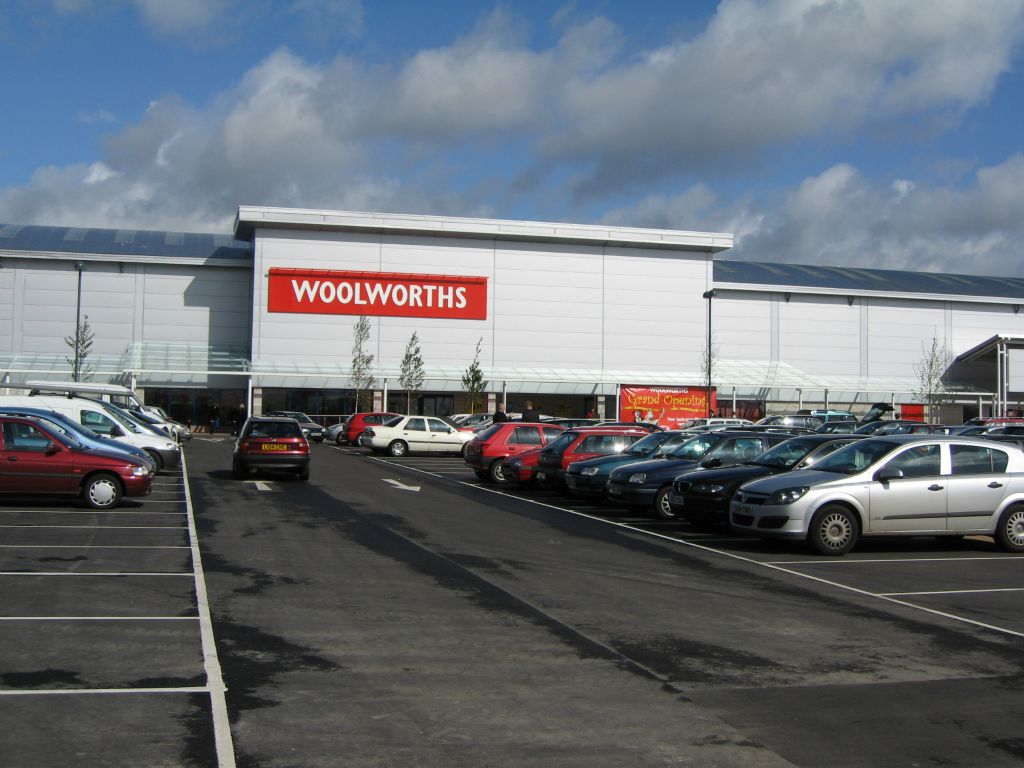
(851, 561)
(99, 618)
(954, 592)
(31, 526)
(105, 691)
(94, 573)
(211, 662)
(731, 555)
(89, 546)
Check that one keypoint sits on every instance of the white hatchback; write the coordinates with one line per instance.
(427, 434)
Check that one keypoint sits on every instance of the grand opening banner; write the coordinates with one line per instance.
(389, 294)
(668, 407)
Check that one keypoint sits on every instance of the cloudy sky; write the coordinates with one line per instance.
(876, 133)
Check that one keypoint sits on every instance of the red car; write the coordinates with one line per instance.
(358, 423)
(274, 443)
(37, 459)
(583, 443)
(520, 467)
(486, 452)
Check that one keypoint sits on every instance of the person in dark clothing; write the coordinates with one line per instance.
(529, 412)
(499, 414)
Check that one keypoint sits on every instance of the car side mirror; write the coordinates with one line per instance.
(709, 463)
(52, 448)
(888, 473)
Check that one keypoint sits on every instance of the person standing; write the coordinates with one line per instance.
(529, 412)
(499, 414)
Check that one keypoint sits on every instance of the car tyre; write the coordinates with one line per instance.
(833, 531)
(1010, 532)
(238, 471)
(398, 448)
(661, 506)
(102, 491)
(496, 473)
(303, 474)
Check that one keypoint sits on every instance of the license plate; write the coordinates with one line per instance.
(614, 490)
(273, 447)
(676, 499)
(541, 476)
(745, 509)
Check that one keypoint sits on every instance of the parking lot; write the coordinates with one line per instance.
(400, 611)
(968, 580)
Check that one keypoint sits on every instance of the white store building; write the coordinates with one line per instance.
(563, 314)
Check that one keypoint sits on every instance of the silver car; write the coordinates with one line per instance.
(902, 485)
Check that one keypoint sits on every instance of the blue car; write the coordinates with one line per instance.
(84, 435)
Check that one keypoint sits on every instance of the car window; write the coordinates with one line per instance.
(436, 425)
(785, 454)
(97, 422)
(975, 460)
(596, 444)
(274, 429)
(855, 457)
(24, 437)
(416, 425)
(525, 436)
(918, 461)
(490, 432)
(550, 433)
(560, 442)
(693, 448)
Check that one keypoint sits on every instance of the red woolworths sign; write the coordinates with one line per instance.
(391, 294)
(669, 407)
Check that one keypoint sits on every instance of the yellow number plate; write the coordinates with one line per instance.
(274, 447)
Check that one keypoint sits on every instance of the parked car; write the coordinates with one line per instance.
(569, 423)
(583, 443)
(84, 435)
(702, 496)
(335, 432)
(644, 425)
(791, 420)
(714, 422)
(647, 484)
(900, 485)
(357, 423)
(489, 449)
(521, 467)
(51, 462)
(274, 443)
(889, 427)
(312, 430)
(842, 427)
(471, 419)
(588, 477)
(417, 434)
(828, 414)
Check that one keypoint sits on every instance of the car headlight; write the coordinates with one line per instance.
(171, 446)
(638, 477)
(711, 489)
(589, 471)
(140, 471)
(788, 495)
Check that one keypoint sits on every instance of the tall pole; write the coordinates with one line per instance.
(79, 266)
(709, 295)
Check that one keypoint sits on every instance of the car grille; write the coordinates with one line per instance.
(745, 497)
(743, 519)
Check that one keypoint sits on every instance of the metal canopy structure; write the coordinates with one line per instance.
(1003, 354)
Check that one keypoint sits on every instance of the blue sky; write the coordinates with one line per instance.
(876, 133)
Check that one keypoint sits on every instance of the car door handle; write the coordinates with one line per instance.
(995, 484)
(934, 487)
(12, 458)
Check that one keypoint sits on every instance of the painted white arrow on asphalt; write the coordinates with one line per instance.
(262, 486)
(401, 486)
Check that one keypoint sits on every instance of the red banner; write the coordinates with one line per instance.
(668, 407)
(390, 294)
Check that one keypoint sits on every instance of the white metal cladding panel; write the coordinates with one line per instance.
(899, 332)
(741, 327)
(316, 250)
(6, 310)
(820, 334)
(49, 299)
(433, 255)
(974, 323)
(669, 287)
(208, 306)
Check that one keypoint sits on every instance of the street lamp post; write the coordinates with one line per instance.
(709, 295)
(79, 268)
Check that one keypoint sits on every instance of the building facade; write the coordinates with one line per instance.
(566, 315)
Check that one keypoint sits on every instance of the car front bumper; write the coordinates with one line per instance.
(630, 494)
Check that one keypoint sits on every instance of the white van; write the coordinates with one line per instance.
(108, 422)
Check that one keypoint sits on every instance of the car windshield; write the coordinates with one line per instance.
(645, 445)
(785, 454)
(693, 448)
(856, 457)
(489, 432)
(392, 422)
(560, 442)
(69, 437)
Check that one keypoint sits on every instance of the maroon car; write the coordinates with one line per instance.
(36, 459)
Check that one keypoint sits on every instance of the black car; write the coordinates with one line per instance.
(588, 477)
(647, 484)
(702, 496)
(310, 428)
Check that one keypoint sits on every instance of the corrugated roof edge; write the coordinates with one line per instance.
(250, 218)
